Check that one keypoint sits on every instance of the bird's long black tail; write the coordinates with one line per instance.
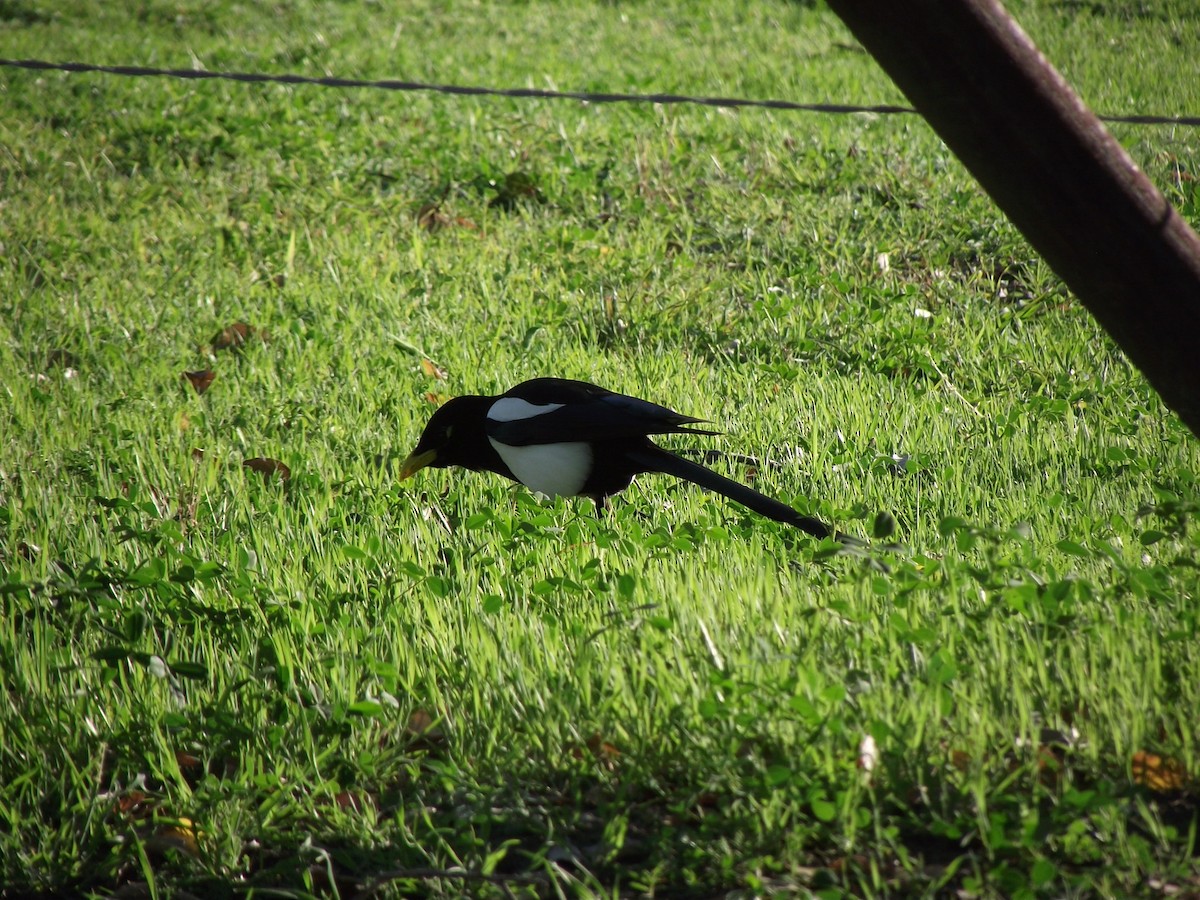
(656, 459)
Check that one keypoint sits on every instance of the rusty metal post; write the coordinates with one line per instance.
(1056, 172)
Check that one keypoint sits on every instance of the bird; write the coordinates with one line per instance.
(568, 438)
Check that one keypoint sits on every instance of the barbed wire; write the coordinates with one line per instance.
(519, 93)
(468, 90)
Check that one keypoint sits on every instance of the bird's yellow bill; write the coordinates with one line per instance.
(416, 462)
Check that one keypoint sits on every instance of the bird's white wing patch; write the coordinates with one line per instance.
(555, 469)
(510, 409)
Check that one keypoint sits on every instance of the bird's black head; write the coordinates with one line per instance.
(454, 436)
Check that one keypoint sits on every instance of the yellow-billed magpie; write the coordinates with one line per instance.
(571, 438)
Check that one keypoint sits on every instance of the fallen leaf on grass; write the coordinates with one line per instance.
(423, 730)
(237, 335)
(602, 751)
(419, 723)
(431, 218)
(200, 380)
(1159, 773)
(435, 398)
(267, 467)
(601, 748)
(433, 370)
(135, 805)
(961, 760)
(355, 801)
(187, 762)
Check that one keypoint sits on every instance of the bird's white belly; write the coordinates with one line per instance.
(554, 469)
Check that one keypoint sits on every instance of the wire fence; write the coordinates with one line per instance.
(519, 93)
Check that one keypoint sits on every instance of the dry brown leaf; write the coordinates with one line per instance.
(435, 398)
(602, 751)
(267, 467)
(601, 748)
(186, 760)
(201, 380)
(1159, 773)
(960, 760)
(134, 805)
(236, 335)
(423, 731)
(420, 723)
(431, 218)
(433, 370)
(354, 801)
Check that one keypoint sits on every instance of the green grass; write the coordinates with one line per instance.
(226, 685)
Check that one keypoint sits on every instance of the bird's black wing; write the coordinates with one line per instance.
(585, 413)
